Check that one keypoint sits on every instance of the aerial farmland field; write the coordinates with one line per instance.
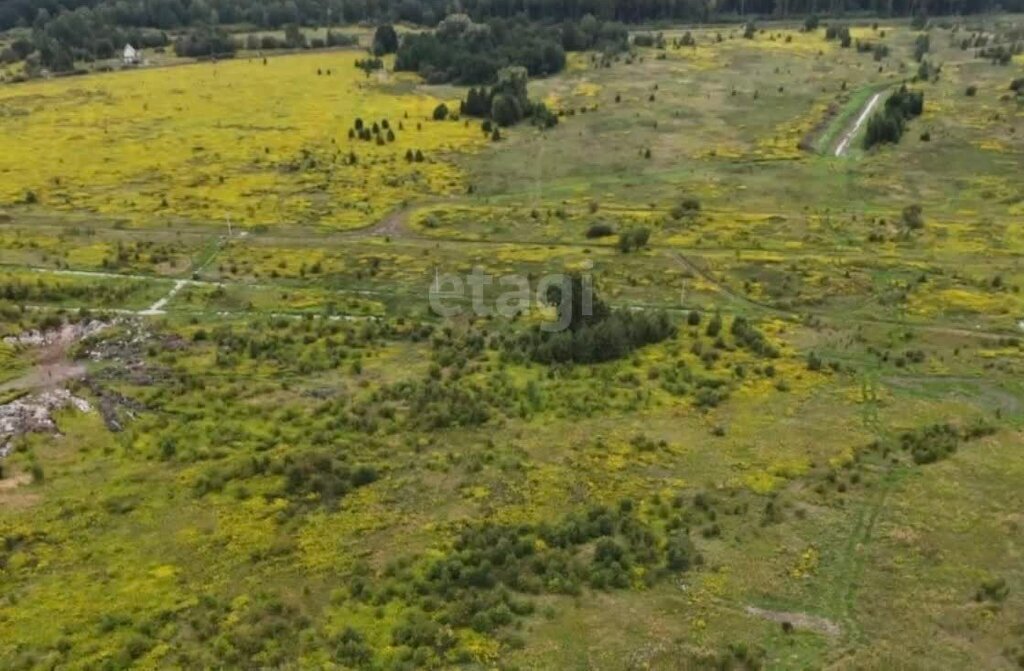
(267, 399)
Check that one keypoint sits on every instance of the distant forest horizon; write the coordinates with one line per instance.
(179, 14)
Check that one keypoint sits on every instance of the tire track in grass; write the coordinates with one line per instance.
(852, 557)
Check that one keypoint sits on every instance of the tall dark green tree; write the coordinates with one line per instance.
(385, 40)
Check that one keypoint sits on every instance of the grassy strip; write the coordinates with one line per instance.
(12, 395)
(10, 365)
(825, 144)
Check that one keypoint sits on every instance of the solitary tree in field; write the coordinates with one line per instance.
(714, 326)
(385, 40)
(912, 217)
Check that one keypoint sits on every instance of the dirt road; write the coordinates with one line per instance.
(844, 144)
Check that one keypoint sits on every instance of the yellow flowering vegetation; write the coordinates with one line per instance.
(259, 142)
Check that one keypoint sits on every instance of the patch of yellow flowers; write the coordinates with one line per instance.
(259, 142)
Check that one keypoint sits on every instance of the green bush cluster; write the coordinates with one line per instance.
(889, 124)
(506, 103)
(840, 33)
(633, 239)
(934, 443)
(484, 580)
(614, 337)
(752, 339)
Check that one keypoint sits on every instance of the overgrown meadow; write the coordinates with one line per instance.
(789, 438)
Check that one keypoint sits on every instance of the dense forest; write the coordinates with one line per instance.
(172, 14)
(502, 32)
(466, 52)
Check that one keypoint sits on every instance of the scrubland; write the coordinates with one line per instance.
(294, 463)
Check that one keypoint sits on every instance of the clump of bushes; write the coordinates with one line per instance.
(930, 444)
(840, 33)
(1000, 54)
(323, 477)
(592, 332)
(922, 44)
(889, 124)
(368, 64)
(649, 40)
(912, 217)
(994, 590)
(688, 207)
(927, 71)
(940, 441)
(506, 103)
(633, 239)
(751, 339)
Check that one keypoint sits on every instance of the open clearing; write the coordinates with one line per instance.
(290, 461)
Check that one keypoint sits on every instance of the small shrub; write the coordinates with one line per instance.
(993, 589)
(912, 217)
(600, 230)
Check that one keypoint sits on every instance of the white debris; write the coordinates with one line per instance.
(35, 413)
(65, 335)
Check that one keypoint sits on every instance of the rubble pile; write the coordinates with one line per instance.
(66, 334)
(34, 413)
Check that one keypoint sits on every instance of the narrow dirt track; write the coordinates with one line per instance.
(844, 144)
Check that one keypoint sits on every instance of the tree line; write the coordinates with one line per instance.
(275, 14)
(464, 51)
(65, 31)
